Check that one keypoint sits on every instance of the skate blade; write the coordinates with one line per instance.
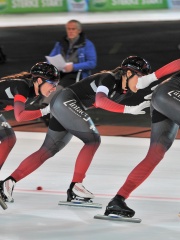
(114, 217)
(3, 204)
(75, 203)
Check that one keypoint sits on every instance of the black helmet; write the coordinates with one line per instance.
(46, 71)
(136, 64)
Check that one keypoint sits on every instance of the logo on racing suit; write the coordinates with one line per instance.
(5, 124)
(175, 94)
(71, 104)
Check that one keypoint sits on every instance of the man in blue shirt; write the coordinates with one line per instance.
(78, 52)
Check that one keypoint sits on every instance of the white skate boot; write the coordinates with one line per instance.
(79, 192)
(6, 190)
(79, 196)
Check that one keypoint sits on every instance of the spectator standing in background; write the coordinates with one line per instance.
(80, 55)
(78, 52)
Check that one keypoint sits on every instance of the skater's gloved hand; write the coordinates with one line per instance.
(149, 96)
(135, 110)
(145, 81)
(45, 111)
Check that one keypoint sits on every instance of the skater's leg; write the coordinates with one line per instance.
(53, 143)
(163, 134)
(7, 139)
(85, 156)
(83, 161)
(83, 128)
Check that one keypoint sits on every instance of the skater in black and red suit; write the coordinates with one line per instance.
(15, 90)
(70, 118)
(165, 122)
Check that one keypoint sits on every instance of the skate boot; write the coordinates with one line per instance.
(6, 190)
(118, 206)
(79, 193)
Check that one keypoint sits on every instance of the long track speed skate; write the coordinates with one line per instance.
(114, 217)
(80, 203)
(79, 196)
(117, 210)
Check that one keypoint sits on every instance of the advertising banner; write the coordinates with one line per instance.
(38, 6)
(115, 5)
(174, 4)
(32, 6)
(78, 5)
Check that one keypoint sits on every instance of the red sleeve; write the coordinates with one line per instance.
(19, 98)
(19, 110)
(105, 103)
(168, 69)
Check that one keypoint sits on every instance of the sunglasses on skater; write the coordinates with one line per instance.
(52, 83)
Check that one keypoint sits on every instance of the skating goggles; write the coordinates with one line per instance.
(52, 83)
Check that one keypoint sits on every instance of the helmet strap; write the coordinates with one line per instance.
(39, 90)
(128, 78)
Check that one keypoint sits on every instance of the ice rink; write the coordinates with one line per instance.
(37, 215)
